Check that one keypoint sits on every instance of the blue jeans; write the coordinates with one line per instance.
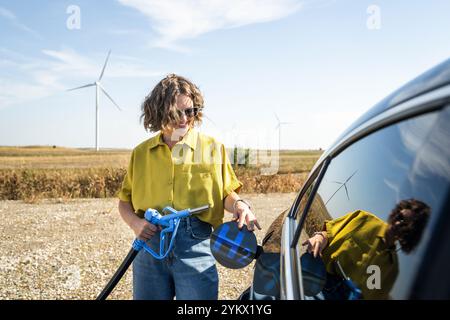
(187, 273)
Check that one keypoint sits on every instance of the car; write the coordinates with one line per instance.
(396, 154)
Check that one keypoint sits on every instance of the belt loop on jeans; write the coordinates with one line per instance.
(188, 224)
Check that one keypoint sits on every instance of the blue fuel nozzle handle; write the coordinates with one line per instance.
(169, 223)
(355, 292)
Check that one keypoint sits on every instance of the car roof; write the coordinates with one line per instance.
(430, 80)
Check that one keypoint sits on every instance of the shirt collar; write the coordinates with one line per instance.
(382, 230)
(155, 141)
(381, 234)
(189, 139)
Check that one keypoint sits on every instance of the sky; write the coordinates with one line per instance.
(317, 65)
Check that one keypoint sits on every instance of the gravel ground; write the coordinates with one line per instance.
(69, 249)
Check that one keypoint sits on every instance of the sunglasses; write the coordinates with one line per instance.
(400, 217)
(189, 112)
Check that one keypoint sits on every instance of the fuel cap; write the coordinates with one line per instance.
(231, 247)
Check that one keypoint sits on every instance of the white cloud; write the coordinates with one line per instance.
(176, 20)
(5, 13)
(122, 32)
(69, 61)
(9, 15)
(36, 78)
(15, 92)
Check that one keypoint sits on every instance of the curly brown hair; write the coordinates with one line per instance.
(409, 231)
(159, 109)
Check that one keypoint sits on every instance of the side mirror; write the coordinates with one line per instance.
(234, 248)
(314, 274)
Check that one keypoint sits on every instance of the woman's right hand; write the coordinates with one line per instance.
(143, 229)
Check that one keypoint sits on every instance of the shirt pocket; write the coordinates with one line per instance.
(196, 168)
(196, 188)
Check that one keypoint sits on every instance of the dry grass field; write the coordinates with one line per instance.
(46, 157)
(41, 157)
(34, 173)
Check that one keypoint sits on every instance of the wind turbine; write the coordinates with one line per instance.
(343, 184)
(98, 87)
(279, 129)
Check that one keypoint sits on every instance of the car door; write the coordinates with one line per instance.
(395, 178)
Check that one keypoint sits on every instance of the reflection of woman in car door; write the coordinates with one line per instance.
(360, 239)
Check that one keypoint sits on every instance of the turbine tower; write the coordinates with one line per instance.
(279, 130)
(98, 87)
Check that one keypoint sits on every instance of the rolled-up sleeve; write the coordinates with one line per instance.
(230, 181)
(126, 188)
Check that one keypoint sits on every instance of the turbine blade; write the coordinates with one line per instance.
(209, 119)
(278, 119)
(333, 195)
(106, 93)
(85, 86)
(346, 191)
(104, 66)
(351, 176)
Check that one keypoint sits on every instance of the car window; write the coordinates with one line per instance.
(376, 205)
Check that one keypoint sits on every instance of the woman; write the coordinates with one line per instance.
(181, 168)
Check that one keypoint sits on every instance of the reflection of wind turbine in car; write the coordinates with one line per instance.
(343, 184)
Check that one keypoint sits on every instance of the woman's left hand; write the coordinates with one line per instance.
(316, 243)
(244, 214)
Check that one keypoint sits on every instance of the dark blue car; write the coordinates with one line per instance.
(398, 152)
